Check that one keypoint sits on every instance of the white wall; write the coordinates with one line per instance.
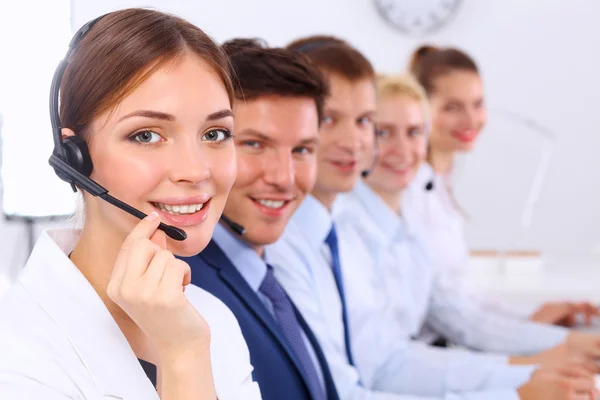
(538, 58)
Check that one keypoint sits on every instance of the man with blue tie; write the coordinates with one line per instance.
(368, 355)
(278, 107)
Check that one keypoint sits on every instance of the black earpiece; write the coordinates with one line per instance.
(367, 172)
(78, 155)
(235, 227)
(71, 159)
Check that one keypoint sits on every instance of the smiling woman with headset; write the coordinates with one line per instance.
(107, 311)
(404, 274)
(454, 88)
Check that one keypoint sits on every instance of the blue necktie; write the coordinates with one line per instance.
(286, 317)
(332, 242)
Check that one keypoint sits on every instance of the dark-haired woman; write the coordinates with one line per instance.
(105, 312)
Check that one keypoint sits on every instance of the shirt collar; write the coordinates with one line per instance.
(69, 299)
(314, 220)
(384, 217)
(246, 260)
(426, 174)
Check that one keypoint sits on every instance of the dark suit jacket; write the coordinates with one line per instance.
(276, 368)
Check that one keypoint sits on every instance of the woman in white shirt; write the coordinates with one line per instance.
(422, 293)
(454, 88)
(405, 276)
(96, 312)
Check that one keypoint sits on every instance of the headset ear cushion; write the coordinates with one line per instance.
(78, 155)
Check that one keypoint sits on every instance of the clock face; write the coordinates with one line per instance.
(417, 17)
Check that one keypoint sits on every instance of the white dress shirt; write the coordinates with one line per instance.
(422, 292)
(387, 365)
(442, 221)
(58, 341)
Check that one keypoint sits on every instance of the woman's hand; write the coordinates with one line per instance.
(559, 383)
(565, 313)
(148, 283)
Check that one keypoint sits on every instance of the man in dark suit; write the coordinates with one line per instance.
(278, 109)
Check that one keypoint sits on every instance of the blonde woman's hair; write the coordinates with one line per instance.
(403, 85)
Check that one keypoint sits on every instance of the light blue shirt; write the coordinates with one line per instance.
(424, 294)
(253, 269)
(388, 366)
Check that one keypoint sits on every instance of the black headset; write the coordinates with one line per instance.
(307, 47)
(71, 158)
(367, 172)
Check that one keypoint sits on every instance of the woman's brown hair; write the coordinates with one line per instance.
(122, 50)
(429, 62)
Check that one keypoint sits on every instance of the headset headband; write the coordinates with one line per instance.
(306, 47)
(55, 87)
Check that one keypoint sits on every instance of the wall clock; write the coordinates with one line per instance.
(417, 17)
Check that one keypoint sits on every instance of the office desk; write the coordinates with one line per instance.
(530, 282)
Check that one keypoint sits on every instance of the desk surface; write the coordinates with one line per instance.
(531, 282)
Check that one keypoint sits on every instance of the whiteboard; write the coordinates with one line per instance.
(29, 186)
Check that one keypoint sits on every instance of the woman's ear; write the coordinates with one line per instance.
(66, 132)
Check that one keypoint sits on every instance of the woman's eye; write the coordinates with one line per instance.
(147, 137)
(452, 107)
(216, 135)
(415, 131)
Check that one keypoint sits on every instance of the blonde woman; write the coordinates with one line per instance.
(422, 299)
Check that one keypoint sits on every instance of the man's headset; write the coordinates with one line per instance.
(71, 158)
